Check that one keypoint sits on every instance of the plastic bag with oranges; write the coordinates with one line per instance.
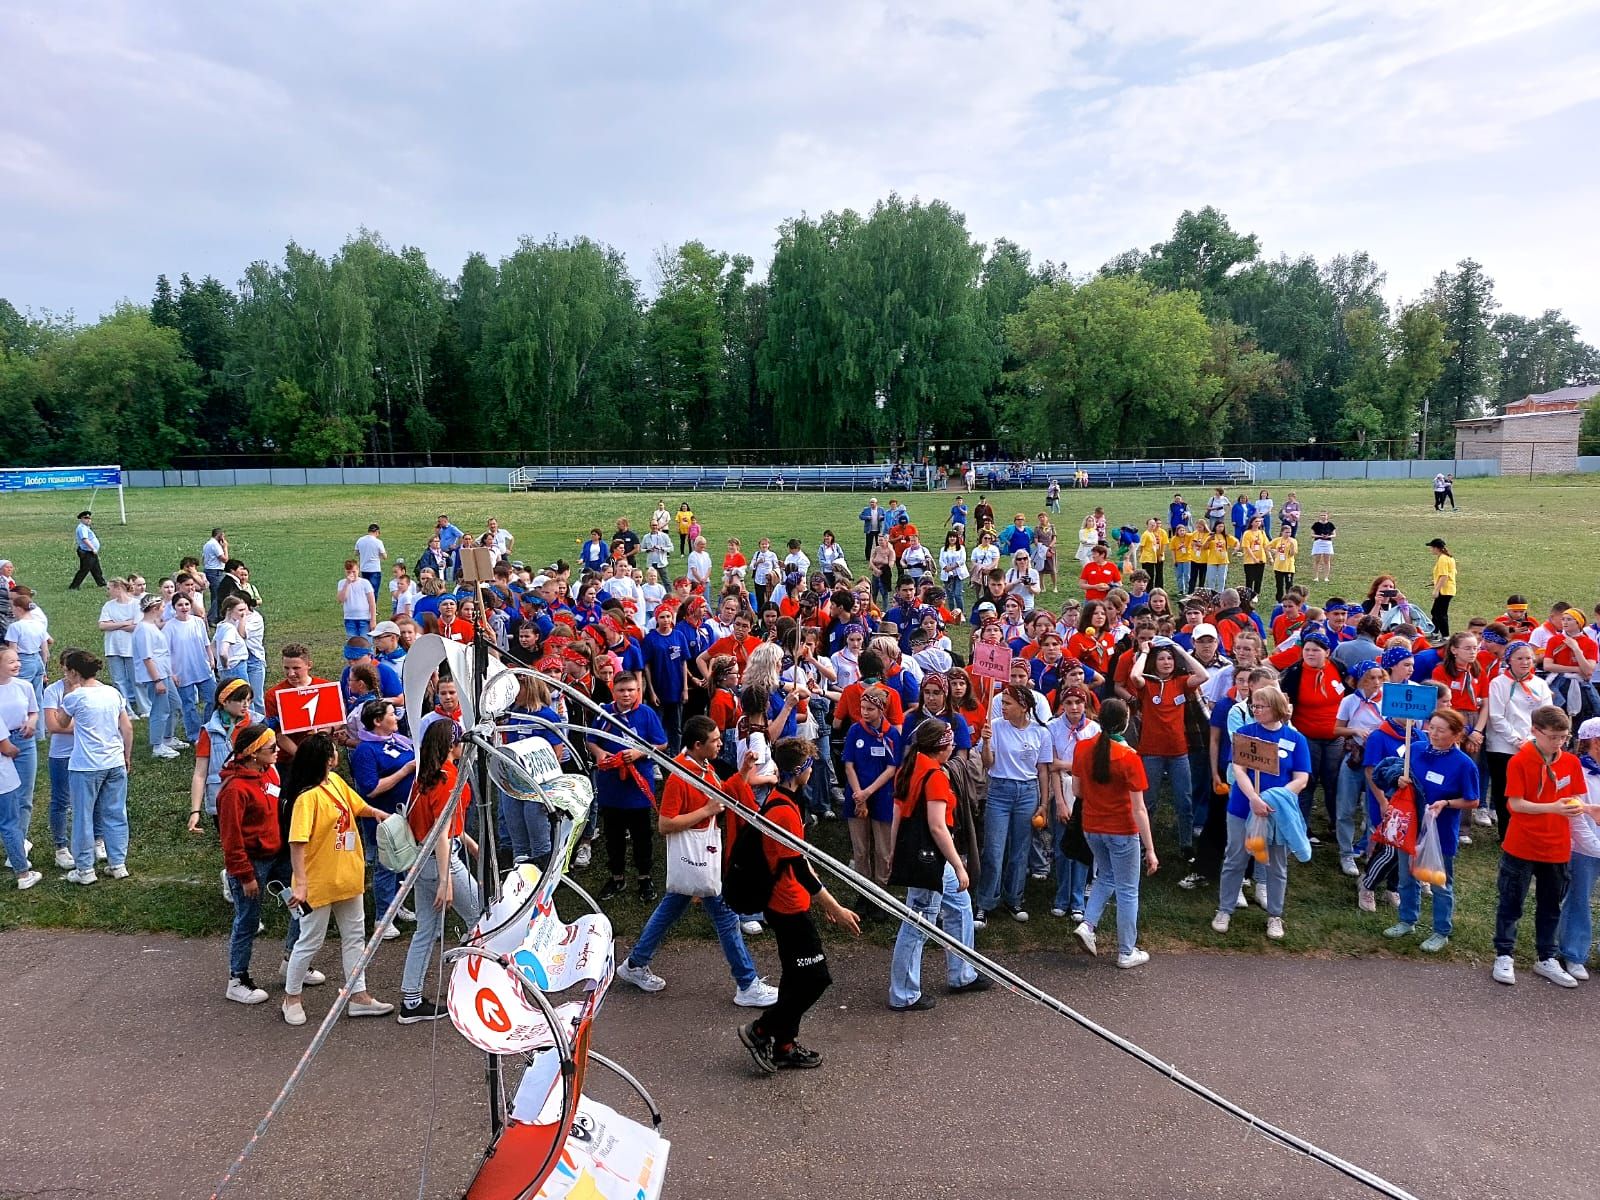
(1257, 832)
(1427, 864)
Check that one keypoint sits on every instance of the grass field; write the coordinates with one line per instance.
(1537, 537)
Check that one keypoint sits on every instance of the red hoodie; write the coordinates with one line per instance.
(247, 818)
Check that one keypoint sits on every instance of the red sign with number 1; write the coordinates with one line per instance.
(304, 710)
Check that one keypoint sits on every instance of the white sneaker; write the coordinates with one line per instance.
(751, 928)
(1191, 881)
(1366, 901)
(1554, 972)
(163, 752)
(1261, 895)
(27, 879)
(177, 743)
(243, 993)
(583, 855)
(313, 976)
(295, 1015)
(1243, 901)
(1482, 816)
(369, 1008)
(120, 871)
(100, 849)
(64, 858)
(390, 934)
(1058, 912)
(1347, 864)
(1392, 899)
(27, 846)
(406, 914)
(1275, 928)
(227, 892)
(1136, 959)
(1085, 935)
(760, 994)
(1576, 969)
(76, 876)
(1505, 970)
(642, 978)
(1221, 921)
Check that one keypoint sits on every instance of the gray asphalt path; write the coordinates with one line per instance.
(128, 1075)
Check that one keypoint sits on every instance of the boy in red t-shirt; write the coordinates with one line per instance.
(1545, 790)
(1099, 574)
(685, 809)
(772, 1038)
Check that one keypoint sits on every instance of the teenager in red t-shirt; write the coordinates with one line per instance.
(1095, 640)
(1165, 679)
(686, 809)
(1545, 790)
(921, 781)
(1459, 671)
(1099, 574)
(252, 847)
(1113, 794)
(1316, 688)
(772, 1038)
(296, 674)
(444, 879)
(738, 645)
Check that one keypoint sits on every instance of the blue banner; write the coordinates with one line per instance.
(1409, 701)
(48, 479)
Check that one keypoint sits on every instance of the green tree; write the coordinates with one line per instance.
(1202, 254)
(1589, 430)
(686, 352)
(1112, 367)
(1466, 302)
(1540, 354)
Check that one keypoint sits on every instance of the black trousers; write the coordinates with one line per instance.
(1284, 581)
(1495, 765)
(805, 975)
(88, 564)
(1157, 572)
(621, 824)
(1441, 614)
(1549, 889)
(1253, 575)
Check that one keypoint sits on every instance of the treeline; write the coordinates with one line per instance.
(869, 334)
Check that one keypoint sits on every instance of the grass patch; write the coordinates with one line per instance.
(1510, 535)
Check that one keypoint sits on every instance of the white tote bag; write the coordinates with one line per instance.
(694, 861)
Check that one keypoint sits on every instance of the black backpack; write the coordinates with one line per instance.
(748, 881)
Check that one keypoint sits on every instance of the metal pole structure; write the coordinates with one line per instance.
(488, 850)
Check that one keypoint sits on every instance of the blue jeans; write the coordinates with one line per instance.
(61, 806)
(1177, 769)
(951, 909)
(1274, 872)
(820, 790)
(99, 801)
(197, 700)
(16, 806)
(528, 824)
(956, 600)
(160, 708)
(247, 914)
(1575, 930)
(1007, 836)
(119, 671)
(1072, 876)
(356, 628)
(1351, 808)
(1326, 755)
(1182, 570)
(32, 674)
(1117, 858)
(723, 919)
(463, 898)
(375, 578)
(213, 577)
(1444, 897)
(255, 673)
(1216, 576)
(385, 883)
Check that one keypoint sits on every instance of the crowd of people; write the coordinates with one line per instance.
(1038, 745)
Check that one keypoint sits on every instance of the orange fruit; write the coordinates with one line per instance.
(1038, 820)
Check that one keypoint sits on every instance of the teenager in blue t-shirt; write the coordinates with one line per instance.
(625, 786)
(666, 673)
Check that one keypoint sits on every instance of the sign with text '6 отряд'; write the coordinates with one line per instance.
(1409, 701)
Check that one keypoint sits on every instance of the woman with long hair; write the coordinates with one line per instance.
(921, 783)
(1111, 786)
(964, 701)
(444, 880)
(1017, 755)
(1253, 545)
(330, 873)
(953, 570)
(1459, 671)
(1514, 696)
(1164, 679)
(252, 848)
(1095, 639)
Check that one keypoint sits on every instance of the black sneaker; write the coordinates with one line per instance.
(980, 919)
(613, 887)
(796, 1058)
(922, 1003)
(760, 1049)
(647, 890)
(980, 983)
(422, 1010)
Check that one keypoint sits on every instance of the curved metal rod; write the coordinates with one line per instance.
(583, 895)
(618, 1069)
(1002, 975)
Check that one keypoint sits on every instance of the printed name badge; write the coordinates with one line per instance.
(879, 751)
(392, 751)
(1434, 777)
(345, 841)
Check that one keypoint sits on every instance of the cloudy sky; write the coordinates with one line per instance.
(156, 135)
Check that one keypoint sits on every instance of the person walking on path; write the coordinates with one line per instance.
(88, 545)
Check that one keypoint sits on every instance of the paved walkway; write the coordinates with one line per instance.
(128, 1075)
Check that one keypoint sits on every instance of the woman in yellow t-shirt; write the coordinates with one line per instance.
(1153, 552)
(1444, 585)
(1283, 548)
(1219, 546)
(684, 519)
(1183, 558)
(1253, 546)
(330, 873)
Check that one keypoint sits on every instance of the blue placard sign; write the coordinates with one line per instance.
(1409, 701)
(46, 479)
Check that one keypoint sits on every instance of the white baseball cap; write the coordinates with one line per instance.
(1204, 629)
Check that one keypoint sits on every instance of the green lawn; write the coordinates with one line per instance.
(1510, 535)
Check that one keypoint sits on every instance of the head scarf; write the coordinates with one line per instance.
(1392, 656)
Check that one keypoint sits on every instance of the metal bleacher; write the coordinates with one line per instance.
(834, 477)
(1161, 472)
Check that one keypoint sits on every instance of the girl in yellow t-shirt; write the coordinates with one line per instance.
(1153, 552)
(330, 874)
(1444, 585)
(684, 518)
(1253, 547)
(1183, 557)
(1282, 549)
(1219, 546)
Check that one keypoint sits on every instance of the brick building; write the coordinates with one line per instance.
(1538, 435)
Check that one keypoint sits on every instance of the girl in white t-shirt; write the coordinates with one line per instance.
(118, 617)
